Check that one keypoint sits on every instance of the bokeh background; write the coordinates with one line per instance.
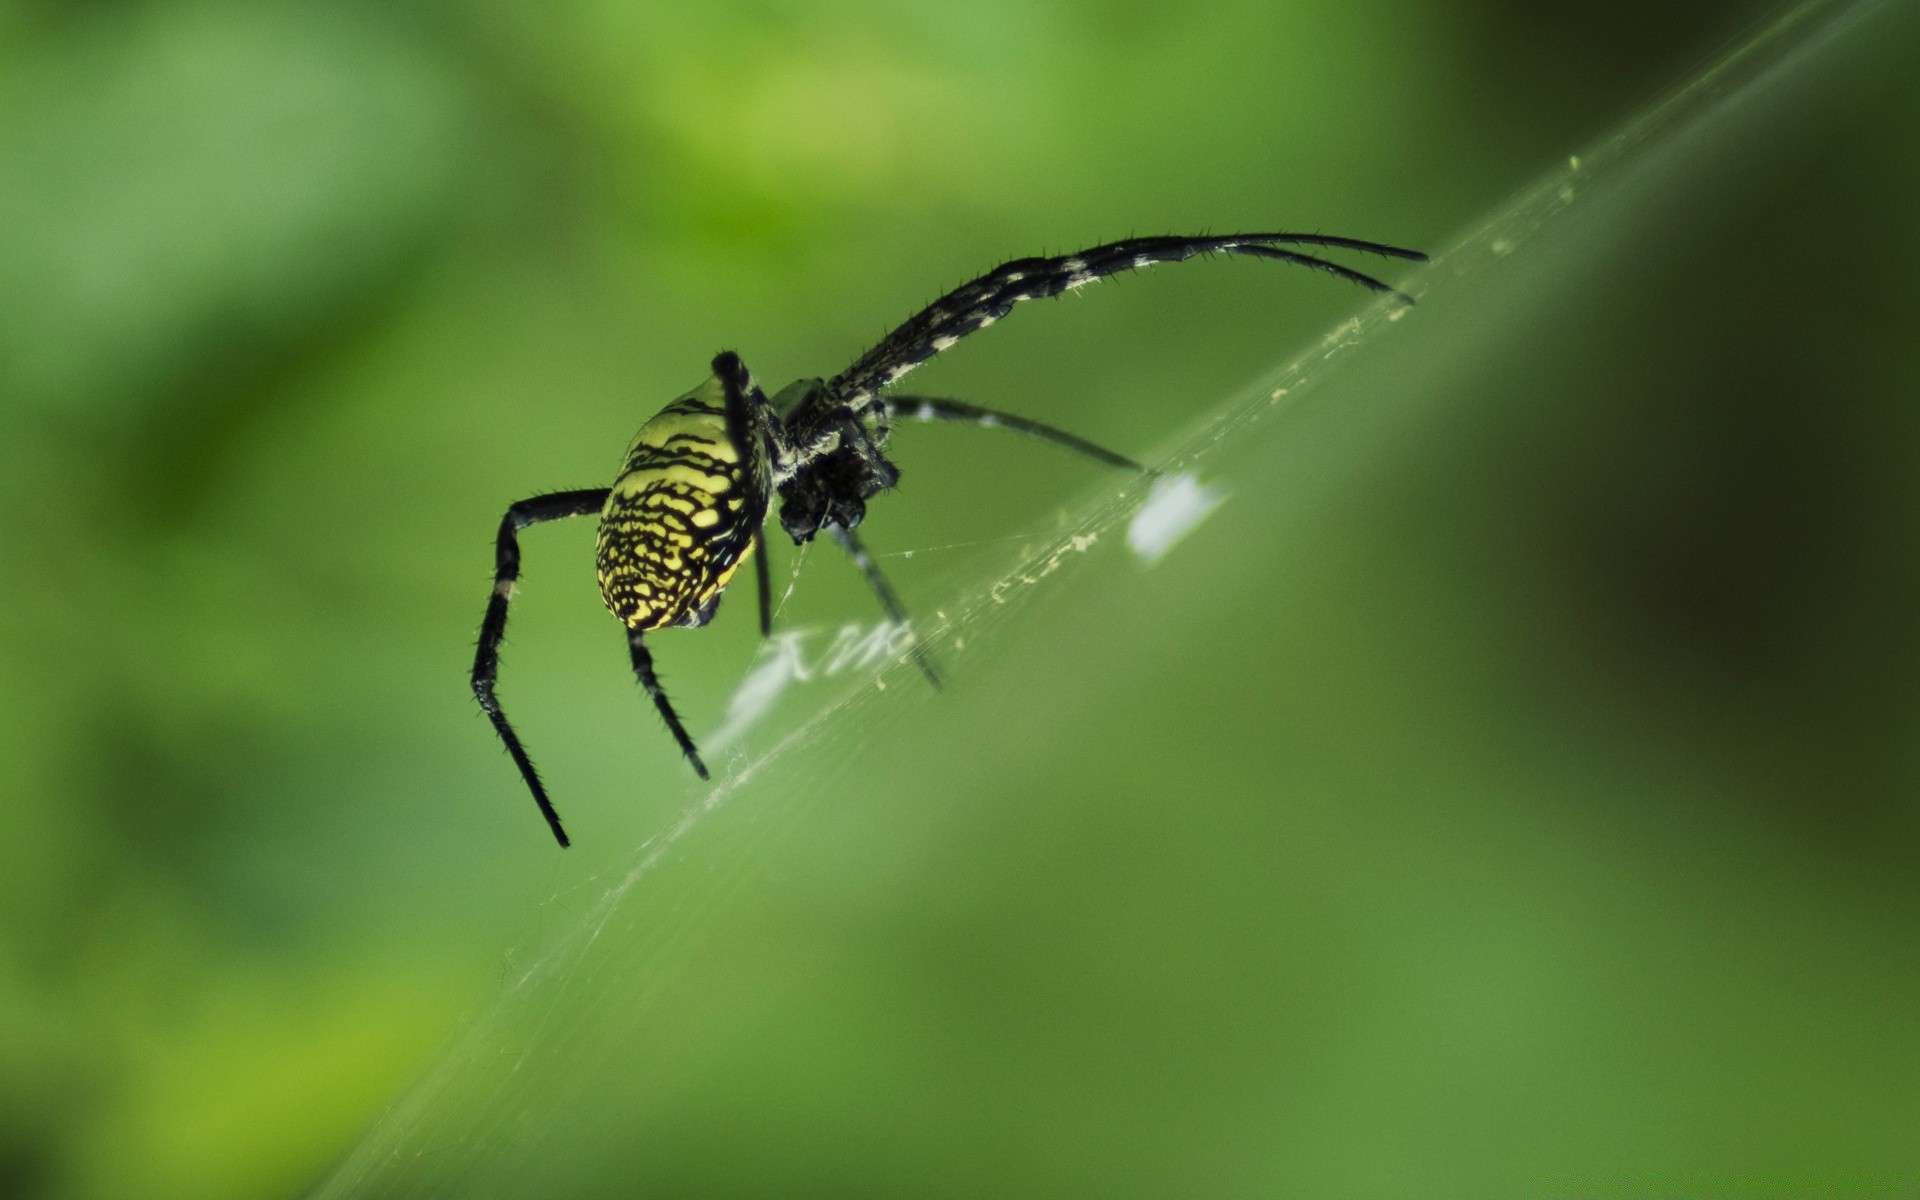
(1527, 799)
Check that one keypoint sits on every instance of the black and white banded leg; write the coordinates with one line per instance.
(935, 408)
(486, 661)
(976, 305)
(889, 600)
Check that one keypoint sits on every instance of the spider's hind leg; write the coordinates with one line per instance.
(896, 612)
(643, 670)
(493, 628)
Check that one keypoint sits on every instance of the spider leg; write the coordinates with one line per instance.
(643, 669)
(762, 573)
(486, 661)
(896, 612)
(754, 427)
(934, 408)
(759, 437)
(978, 304)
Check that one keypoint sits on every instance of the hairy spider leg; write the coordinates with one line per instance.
(754, 426)
(935, 408)
(762, 575)
(486, 662)
(976, 305)
(643, 670)
(896, 612)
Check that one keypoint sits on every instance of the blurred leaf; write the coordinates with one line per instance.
(178, 184)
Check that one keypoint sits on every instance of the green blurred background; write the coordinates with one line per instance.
(1532, 804)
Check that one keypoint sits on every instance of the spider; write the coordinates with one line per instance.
(693, 492)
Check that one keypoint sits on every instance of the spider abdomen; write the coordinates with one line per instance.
(676, 525)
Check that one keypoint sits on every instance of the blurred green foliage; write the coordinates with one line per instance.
(1552, 742)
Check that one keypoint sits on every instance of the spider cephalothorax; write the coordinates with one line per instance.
(831, 489)
(693, 492)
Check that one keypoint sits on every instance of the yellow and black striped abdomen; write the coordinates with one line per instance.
(677, 524)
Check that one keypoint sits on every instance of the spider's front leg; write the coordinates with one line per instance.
(937, 408)
(974, 306)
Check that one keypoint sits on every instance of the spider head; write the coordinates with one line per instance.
(833, 488)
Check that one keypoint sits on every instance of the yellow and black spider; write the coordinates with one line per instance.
(693, 493)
